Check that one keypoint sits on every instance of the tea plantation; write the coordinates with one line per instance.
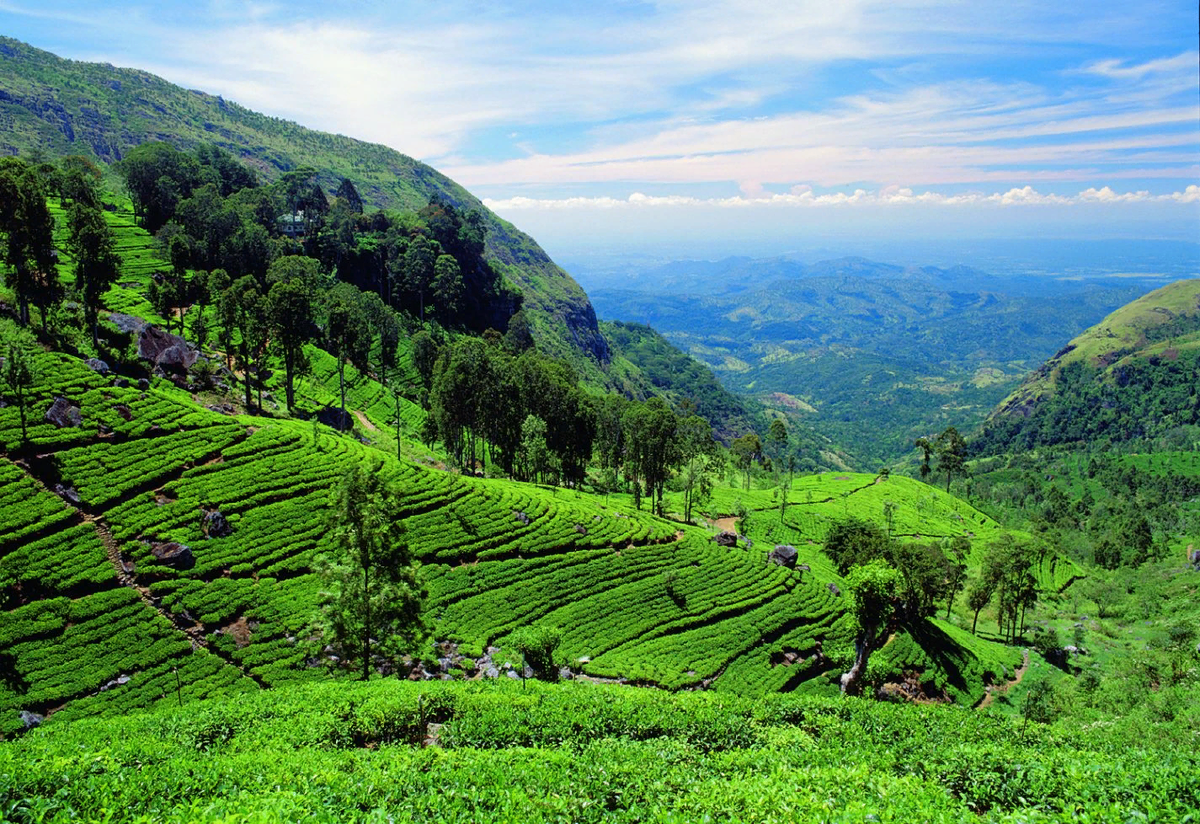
(94, 622)
(506, 752)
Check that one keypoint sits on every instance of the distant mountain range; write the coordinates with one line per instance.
(872, 355)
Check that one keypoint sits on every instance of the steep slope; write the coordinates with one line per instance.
(61, 107)
(1136, 374)
(93, 622)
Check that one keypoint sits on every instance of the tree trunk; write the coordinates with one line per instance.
(21, 409)
(342, 387)
(975, 621)
(289, 364)
(852, 678)
(366, 673)
(246, 381)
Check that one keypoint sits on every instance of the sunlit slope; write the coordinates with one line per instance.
(62, 107)
(86, 603)
(920, 512)
(1162, 327)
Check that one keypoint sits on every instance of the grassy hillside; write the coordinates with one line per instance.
(61, 107)
(1132, 376)
(393, 751)
(637, 597)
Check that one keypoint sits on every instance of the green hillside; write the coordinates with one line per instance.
(1133, 376)
(87, 603)
(57, 107)
(93, 624)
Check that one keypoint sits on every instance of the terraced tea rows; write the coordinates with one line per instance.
(636, 597)
(497, 556)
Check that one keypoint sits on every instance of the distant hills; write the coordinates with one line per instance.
(1134, 375)
(56, 107)
(871, 355)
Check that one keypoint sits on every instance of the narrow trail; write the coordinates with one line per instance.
(1000, 689)
(194, 631)
(365, 421)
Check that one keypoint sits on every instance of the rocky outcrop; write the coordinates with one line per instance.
(215, 525)
(726, 538)
(783, 555)
(173, 554)
(167, 352)
(62, 413)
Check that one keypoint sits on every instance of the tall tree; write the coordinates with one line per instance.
(244, 311)
(447, 287)
(28, 233)
(873, 590)
(19, 376)
(418, 269)
(291, 313)
(373, 597)
(926, 447)
(347, 334)
(699, 460)
(776, 445)
(746, 450)
(425, 352)
(952, 453)
(97, 265)
(653, 448)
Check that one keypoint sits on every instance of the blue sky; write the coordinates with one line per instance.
(762, 122)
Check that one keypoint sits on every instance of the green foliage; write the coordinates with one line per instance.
(680, 378)
(538, 644)
(27, 230)
(341, 752)
(374, 594)
(18, 373)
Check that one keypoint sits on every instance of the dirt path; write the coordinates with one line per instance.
(726, 524)
(365, 421)
(1000, 689)
(193, 631)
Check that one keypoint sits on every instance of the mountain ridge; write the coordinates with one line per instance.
(61, 107)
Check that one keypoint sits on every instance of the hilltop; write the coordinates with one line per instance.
(55, 107)
(1131, 376)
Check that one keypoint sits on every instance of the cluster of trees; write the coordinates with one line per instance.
(211, 213)
(1121, 517)
(950, 449)
(27, 231)
(1007, 577)
(1142, 398)
(496, 401)
(891, 582)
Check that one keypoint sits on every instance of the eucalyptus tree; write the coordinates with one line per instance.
(373, 596)
(97, 265)
(27, 231)
(19, 377)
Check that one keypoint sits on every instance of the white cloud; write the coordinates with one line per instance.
(758, 94)
(803, 196)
